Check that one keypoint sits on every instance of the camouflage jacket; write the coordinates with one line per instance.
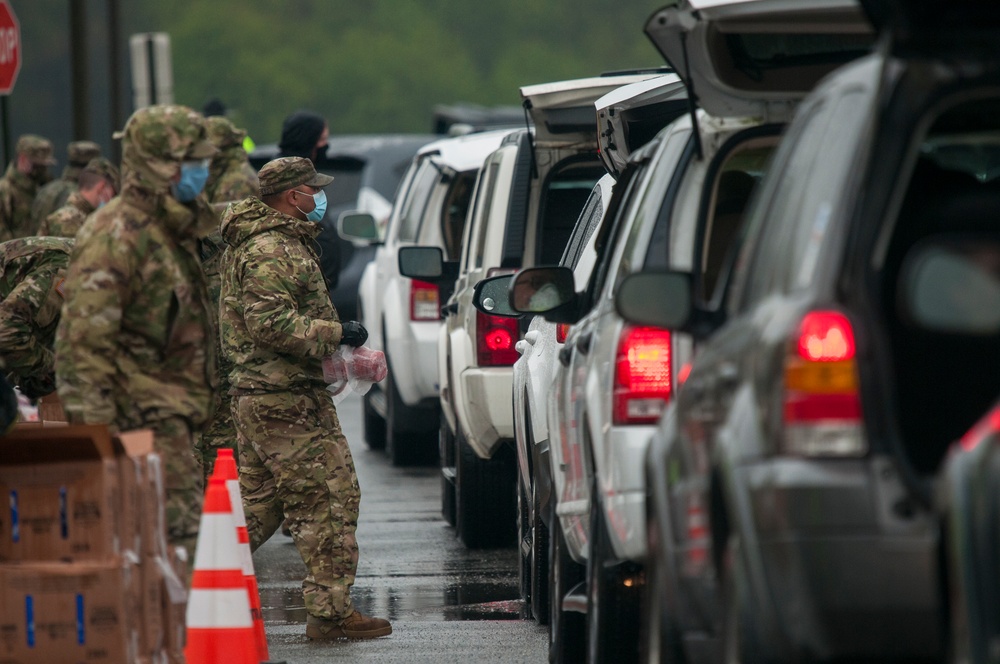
(55, 194)
(135, 343)
(17, 192)
(67, 220)
(31, 272)
(231, 177)
(276, 319)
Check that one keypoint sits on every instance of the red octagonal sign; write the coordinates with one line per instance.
(10, 48)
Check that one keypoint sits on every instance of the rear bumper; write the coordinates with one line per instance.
(414, 360)
(835, 569)
(485, 408)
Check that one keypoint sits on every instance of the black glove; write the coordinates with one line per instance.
(354, 333)
(37, 386)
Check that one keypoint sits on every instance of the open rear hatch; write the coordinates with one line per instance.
(629, 117)
(563, 112)
(758, 58)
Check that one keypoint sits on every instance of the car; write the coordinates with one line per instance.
(403, 316)
(527, 199)
(792, 481)
(367, 169)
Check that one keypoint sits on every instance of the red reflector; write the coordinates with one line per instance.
(424, 301)
(642, 375)
(495, 339)
(982, 430)
(826, 336)
(562, 329)
(819, 407)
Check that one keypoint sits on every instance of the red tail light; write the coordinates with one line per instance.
(822, 407)
(425, 301)
(495, 339)
(562, 329)
(642, 375)
(983, 429)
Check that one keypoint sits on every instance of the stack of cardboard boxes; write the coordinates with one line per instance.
(85, 571)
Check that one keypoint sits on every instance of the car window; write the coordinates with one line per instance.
(800, 203)
(416, 201)
(560, 207)
(455, 211)
(492, 172)
(590, 217)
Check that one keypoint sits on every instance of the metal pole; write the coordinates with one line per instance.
(78, 65)
(115, 74)
(5, 129)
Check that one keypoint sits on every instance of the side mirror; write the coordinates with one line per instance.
(490, 296)
(537, 290)
(952, 287)
(660, 299)
(426, 264)
(357, 226)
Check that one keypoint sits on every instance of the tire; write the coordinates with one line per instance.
(410, 432)
(612, 607)
(374, 425)
(739, 634)
(660, 638)
(567, 631)
(446, 451)
(524, 546)
(486, 503)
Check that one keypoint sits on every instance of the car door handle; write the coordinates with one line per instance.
(583, 342)
(565, 354)
(450, 309)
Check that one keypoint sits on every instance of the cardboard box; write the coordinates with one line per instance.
(68, 613)
(50, 409)
(60, 494)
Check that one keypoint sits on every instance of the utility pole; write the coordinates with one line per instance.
(115, 73)
(78, 65)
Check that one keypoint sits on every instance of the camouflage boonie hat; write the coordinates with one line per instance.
(168, 131)
(104, 168)
(38, 149)
(289, 172)
(223, 133)
(81, 152)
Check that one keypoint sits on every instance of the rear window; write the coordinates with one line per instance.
(564, 199)
(456, 209)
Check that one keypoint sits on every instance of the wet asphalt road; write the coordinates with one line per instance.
(446, 603)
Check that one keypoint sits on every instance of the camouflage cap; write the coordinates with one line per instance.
(287, 172)
(81, 152)
(104, 168)
(38, 149)
(168, 131)
(223, 133)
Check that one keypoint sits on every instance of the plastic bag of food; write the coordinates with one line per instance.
(353, 370)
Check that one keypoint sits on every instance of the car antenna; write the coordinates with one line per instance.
(531, 138)
(692, 97)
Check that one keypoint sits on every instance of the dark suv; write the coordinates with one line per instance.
(790, 508)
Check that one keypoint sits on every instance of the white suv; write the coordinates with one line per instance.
(403, 316)
(527, 199)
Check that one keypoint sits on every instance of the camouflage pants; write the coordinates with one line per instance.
(219, 433)
(185, 488)
(293, 455)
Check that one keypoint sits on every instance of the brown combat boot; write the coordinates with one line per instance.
(355, 626)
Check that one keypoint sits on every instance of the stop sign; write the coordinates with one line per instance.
(10, 48)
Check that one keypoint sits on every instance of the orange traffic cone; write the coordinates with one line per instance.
(219, 628)
(225, 468)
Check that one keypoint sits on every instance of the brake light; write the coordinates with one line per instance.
(642, 375)
(562, 329)
(822, 406)
(425, 303)
(495, 339)
(983, 429)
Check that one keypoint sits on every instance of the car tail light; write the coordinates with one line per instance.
(425, 301)
(495, 339)
(822, 406)
(983, 429)
(642, 375)
(562, 329)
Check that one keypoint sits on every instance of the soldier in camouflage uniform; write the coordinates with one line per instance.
(135, 346)
(32, 270)
(26, 173)
(98, 184)
(277, 323)
(54, 195)
(230, 178)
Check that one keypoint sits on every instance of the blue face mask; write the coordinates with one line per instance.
(194, 175)
(317, 213)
